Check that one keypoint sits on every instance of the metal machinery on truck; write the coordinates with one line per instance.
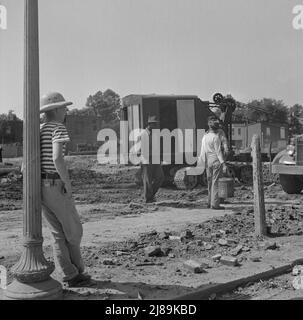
(289, 165)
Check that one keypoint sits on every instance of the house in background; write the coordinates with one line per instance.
(11, 134)
(274, 133)
(83, 131)
(239, 135)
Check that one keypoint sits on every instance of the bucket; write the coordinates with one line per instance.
(226, 188)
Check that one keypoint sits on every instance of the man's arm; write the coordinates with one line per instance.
(137, 146)
(224, 142)
(60, 165)
(218, 150)
(202, 157)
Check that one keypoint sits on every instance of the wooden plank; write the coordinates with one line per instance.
(222, 288)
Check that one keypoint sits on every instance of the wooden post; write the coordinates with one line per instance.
(32, 272)
(269, 157)
(259, 206)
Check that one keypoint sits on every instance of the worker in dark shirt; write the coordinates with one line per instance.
(152, 174)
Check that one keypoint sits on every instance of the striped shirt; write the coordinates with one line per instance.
(50, 133)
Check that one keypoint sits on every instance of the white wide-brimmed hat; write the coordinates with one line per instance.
(53, 101)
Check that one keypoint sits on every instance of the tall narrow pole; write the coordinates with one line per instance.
(32, 272)
(259, 205)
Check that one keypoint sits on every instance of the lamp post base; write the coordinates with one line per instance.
(46, 290)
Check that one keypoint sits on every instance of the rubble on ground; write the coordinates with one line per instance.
(227, 241)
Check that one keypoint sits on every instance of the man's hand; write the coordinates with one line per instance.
(226, 153)
(67, 188)
(61, 168)
(224, 168)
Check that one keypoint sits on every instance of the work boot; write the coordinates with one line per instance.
(79, 280)
(152, 200)
(218, 208)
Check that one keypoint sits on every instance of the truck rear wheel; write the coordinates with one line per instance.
(290, 184)
(183, 181)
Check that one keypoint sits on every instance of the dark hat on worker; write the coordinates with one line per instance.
(212, 118)
(53, 100)
(152, 119)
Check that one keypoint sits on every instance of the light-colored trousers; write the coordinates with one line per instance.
(213, 172)
(64, 223)
(153, 177)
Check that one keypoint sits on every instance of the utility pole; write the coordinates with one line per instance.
(32, 272)
(259, 205)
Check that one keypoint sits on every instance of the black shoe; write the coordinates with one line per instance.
(79, 280)
(153, 200)
(218, 208)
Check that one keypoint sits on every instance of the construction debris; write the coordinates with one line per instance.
(109, 262)
(229, 261)
(223, 242)
(216, 257)
(187, 234)
(270, 246)
(153, 251)
(297, 270)
(174, 238)
(194, 266)
(236, 251)
(209, 247)
(227, 239)
(298, 283)
(255, 259)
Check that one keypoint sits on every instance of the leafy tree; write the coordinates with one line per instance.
(296, 110)
(296, 119)
(262, 110)
(10, 116)
(105, 105)
(268, 110)
(240, 114)
(82, 112)
(7, 133)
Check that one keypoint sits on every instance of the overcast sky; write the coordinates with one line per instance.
(247, 48)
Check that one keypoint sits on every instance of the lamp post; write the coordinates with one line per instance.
(32, 272)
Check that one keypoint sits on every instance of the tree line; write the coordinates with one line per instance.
(270, 110)
(107, 104)
(10, 128)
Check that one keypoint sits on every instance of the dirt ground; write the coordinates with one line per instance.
(119, 228)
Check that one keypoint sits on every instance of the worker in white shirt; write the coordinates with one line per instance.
(212, 156)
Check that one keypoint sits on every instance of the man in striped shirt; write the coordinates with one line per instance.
(58, 206)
